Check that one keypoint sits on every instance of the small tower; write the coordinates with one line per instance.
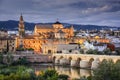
(21, 27)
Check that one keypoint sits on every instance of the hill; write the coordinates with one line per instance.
(13, 25)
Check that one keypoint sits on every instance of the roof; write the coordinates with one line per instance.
(29, 37)
(99, 44)
(7, 38)
(43, 26)
(3, 30)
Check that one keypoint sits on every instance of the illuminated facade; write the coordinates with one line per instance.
(46, 37)
(43, 34)
(55, 30)
(21, 27)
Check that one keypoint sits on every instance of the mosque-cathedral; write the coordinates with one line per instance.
(48, 34)
(43, 34)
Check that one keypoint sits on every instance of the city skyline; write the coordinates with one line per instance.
(92, 12)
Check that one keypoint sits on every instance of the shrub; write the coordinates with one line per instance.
(48, 75)
(63, 77)
(107, 70)
(1, 58)
(21, 61)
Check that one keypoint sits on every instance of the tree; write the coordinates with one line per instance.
(21, 61)
(17, 73)
(48, 75)
(107, 70)
(9, 59)
(63, 77)
(1, 58)
(90, 51)
(107, 51)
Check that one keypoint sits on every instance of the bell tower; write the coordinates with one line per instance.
(21, 27)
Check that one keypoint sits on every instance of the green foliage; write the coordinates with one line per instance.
(23, 49)
(25, 73)
(81, 51)
(30, 49)
(48, 75)
(107, 70)
(9, 59)
(63, 77)
(1, 58)
(16, 73)
(90, 51)
(21, 61)
(89, 78)
(20, 49)
(107, 51)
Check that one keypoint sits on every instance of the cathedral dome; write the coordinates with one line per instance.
(57, 22)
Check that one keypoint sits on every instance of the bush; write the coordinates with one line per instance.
(107, 51)
(1, 58)
(48, 75)
(16, 73)
(20, 49)
(21, 61)
(63, 77)
(90, 51)
(9, 59)
(107, 70)
(30, 49)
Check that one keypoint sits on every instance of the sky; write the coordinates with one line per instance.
(94, 12)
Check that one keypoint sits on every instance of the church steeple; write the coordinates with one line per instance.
(21, 27)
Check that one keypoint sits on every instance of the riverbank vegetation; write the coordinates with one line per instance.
(19, 70)
(104, 52)
(107, 70)
(26, 73)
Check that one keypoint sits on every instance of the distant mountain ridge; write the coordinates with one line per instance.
(13, 25)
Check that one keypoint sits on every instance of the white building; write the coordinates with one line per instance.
(59, 48)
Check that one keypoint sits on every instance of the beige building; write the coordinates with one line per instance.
(3, 33)
(55, 30)
(59, 48)
(43, 34)
(7, 44)
(46, 37)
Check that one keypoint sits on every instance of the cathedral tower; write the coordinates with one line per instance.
(21, 27)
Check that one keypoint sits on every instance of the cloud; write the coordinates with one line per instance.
(70, 11)
(96, 10)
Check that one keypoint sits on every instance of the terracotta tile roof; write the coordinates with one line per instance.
(29, 37)
(43, 26)
(7, 38)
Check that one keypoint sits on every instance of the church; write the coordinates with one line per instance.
(43, 34)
